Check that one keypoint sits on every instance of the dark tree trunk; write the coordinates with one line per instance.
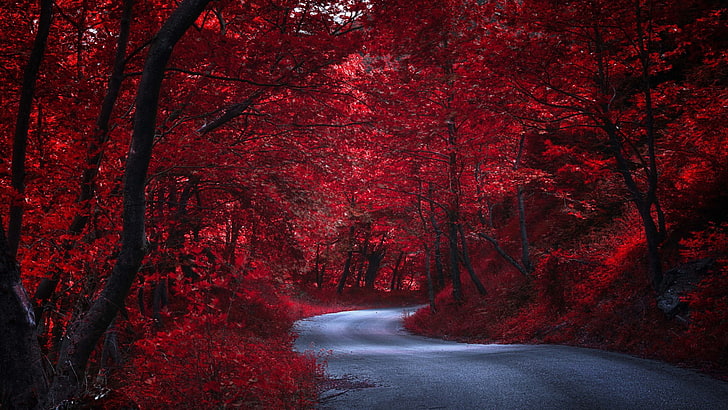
(436, 248)
(394, 284)
(430, 283)
(347, 264)
(101, 134)
(496, 245)
(345, 273)
(525, 246)
(159, 300)
(457, 287)
(644, 201)
(84, 333)
(502, 252)
(526, 263)
(20, 139)
(320, 276)
(22, 379)
(93, 158)
(374, 261)
(468, 265)
(363, 256)
(437, 251)
(654, 231)
(319, 269)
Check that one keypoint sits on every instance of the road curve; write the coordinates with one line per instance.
(375, 364)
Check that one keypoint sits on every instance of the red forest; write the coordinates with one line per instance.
(180, 181)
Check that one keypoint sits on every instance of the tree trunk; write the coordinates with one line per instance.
(347, 264)
(468, 265)
(84, 333)
(22, 379)
(502, 252)
(363, 257)
(318, 278)
(437, 251)
(644, 203)
(345, 272)
(457, 287)
(394, 284)
(521, 204)
(20, 140)
(525, 246)
(430, 283)
(93, 159)
(374, 261)
(101, 133)
(654, 231)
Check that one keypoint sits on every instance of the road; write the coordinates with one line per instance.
(375, 364)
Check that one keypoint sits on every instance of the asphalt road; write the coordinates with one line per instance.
(375, 364)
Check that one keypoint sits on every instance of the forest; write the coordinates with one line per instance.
(182, 180)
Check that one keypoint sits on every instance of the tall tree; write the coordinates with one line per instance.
(23, 379)
(594, 68)
(83, 335)
(25, 108)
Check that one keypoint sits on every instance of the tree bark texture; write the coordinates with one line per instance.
(502, 252)
(22, 379)
(437, 251)
(394, 284)
(430, 283)
(374, 261)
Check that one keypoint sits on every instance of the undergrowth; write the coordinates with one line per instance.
(575, 297)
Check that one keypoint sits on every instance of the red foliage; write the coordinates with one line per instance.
(603, 303)
(378, 147)
(211, 362)
(225, 344)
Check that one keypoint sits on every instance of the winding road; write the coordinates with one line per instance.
(374, 364)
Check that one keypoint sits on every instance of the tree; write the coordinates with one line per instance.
(84, 333)
(20, 140)
(432, 119)
(256, 63)
(594, 68)
(23, 378)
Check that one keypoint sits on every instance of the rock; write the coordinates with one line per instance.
(678, 282)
